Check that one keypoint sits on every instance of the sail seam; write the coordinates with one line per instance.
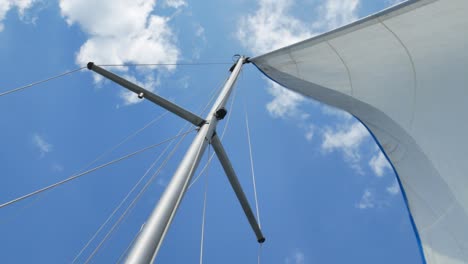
(344, 64)
(413, 67)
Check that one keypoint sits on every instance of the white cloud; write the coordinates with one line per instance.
(43, 146)
(175, 3)
(200, 41)
(310, 130)
(122, 31)
(297, 257)
(367, 200)
(161, 182)
(200, 32)
(337, 13)
(348, 139)
(56, 167)
(285, 102)
(184, 82)
(271, 27)
(379, 164)
(21, 5)
(394, 189)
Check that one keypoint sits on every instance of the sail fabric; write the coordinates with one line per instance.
(404, 74)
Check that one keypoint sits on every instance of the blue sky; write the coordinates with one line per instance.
(326, 193)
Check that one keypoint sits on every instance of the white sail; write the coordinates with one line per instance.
(404, 74)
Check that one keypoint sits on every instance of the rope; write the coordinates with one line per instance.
(39, 82)
(135, 200)
(204, 210)
(252, 166)
(164, 64)
(259, 254)
(91, 170)
(122, 202)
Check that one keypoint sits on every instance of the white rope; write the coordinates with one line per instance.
(202, 239)
(40, 82)
(252, 167)
(259, 254)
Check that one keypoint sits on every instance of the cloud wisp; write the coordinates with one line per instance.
(41, 144)
(175, 3)
(367, 200)
(379, 164)
(297, 257)
(347, 140)
(393, 189)
(285, 103)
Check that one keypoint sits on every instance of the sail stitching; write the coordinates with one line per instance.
(413, 67)
(344, 64)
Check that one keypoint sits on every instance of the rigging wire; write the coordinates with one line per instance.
(165, 64)
(102, 155)
(259, 252)
(252, 166)
(135, 200)
(123, 201)
(112, 149)
(204, 208)
(41, 81)
(91, 170)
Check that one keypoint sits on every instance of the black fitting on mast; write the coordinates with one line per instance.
(90, 65)
(221, 113)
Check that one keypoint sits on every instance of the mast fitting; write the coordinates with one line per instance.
(221, 113)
